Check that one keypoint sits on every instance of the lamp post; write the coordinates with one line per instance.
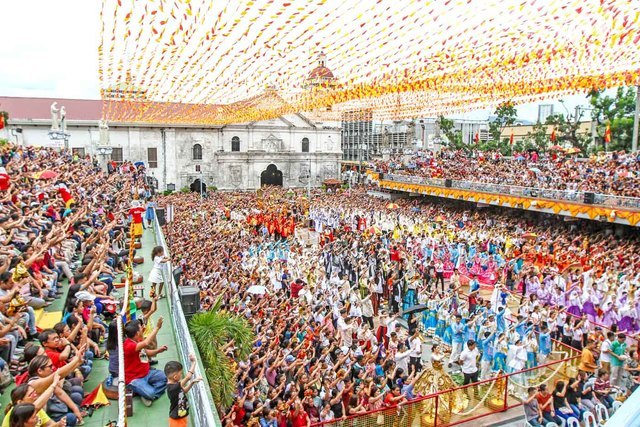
(636, 119)
(201, 178)
(309, 183)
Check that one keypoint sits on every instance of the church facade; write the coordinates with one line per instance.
(289, 151)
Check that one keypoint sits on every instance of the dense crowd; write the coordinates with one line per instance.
(616, 173)
(500, 292)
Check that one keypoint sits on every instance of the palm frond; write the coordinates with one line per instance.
(211, 331)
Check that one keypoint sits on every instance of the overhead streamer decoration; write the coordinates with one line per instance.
(214, 62)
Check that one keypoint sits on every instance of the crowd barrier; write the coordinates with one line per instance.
(606, 200)
(203, 412)
(467, 403)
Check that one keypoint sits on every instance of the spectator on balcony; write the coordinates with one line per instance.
(147, 383)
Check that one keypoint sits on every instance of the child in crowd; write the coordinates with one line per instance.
(177, 389)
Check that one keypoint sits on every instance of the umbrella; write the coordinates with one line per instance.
(529, 235)
(45, 174)
(139, 163)
(573, 150)
(556, 148)
(415, 309)
(96, 398)
(535, 170)
(257, 289)
(439, 218)
(520, 158)
(393, 206)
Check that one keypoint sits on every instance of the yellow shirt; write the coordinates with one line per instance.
(43, 418)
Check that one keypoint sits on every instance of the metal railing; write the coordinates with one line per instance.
(483, 398)
(203, 412)
(606, 200)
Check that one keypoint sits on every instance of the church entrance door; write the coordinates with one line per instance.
(271, 176)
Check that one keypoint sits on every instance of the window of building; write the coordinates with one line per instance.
(197, 168)
(152, 157)
(235, 144)
(116, 154)
(197, 152)
(78, 151)
(305, 145)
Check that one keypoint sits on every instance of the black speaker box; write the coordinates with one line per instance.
(189, 299)
(162, 219)
(177, 274)
(589, 198)
(448, 183)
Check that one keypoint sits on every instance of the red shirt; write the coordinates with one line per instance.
(54, 355)
(295, 289)
(136, 213)
(134, 367)
(4, 181)
(299, 419)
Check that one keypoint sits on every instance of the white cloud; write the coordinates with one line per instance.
(49, 48)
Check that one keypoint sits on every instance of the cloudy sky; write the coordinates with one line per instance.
(49, 49)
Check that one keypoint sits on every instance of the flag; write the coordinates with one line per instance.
(476, 138)
(553, 136)
(511, 139)
(96, 398)
(607, 134)
(1, 121)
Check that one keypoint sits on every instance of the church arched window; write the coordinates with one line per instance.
(305, 145)
(235, 144)
(197, 152)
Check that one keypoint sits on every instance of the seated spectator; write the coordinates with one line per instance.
(603, 390)
(147, 383)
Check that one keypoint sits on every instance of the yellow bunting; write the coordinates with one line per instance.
(213, 63)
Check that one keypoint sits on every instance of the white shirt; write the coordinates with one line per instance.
(469, 360)
(401, 361)
(416, 347)
(604, 356)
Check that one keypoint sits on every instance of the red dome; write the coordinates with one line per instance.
(320, 72)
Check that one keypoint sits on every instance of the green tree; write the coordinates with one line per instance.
(616, 111)
(506, 115)
(568, 130)
(492, 145)
(212, 330)
(537, 139)
(453, 135)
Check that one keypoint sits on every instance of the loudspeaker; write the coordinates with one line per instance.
(189, 299)
(162, 219)
(177, 274)
(589, 198)
(380, 176)
(448, 183)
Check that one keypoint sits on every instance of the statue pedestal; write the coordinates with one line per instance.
(104, 155)
(58, 135)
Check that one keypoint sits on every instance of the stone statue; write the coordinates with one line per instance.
(63, 119)
(104, 132)
(54, 117)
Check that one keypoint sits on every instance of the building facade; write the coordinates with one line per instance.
(238, 156)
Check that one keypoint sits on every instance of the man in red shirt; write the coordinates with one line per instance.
(136, 213)
(298, 416)
(148, 383)
(296, 287)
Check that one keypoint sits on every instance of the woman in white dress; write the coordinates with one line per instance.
(156, 275)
